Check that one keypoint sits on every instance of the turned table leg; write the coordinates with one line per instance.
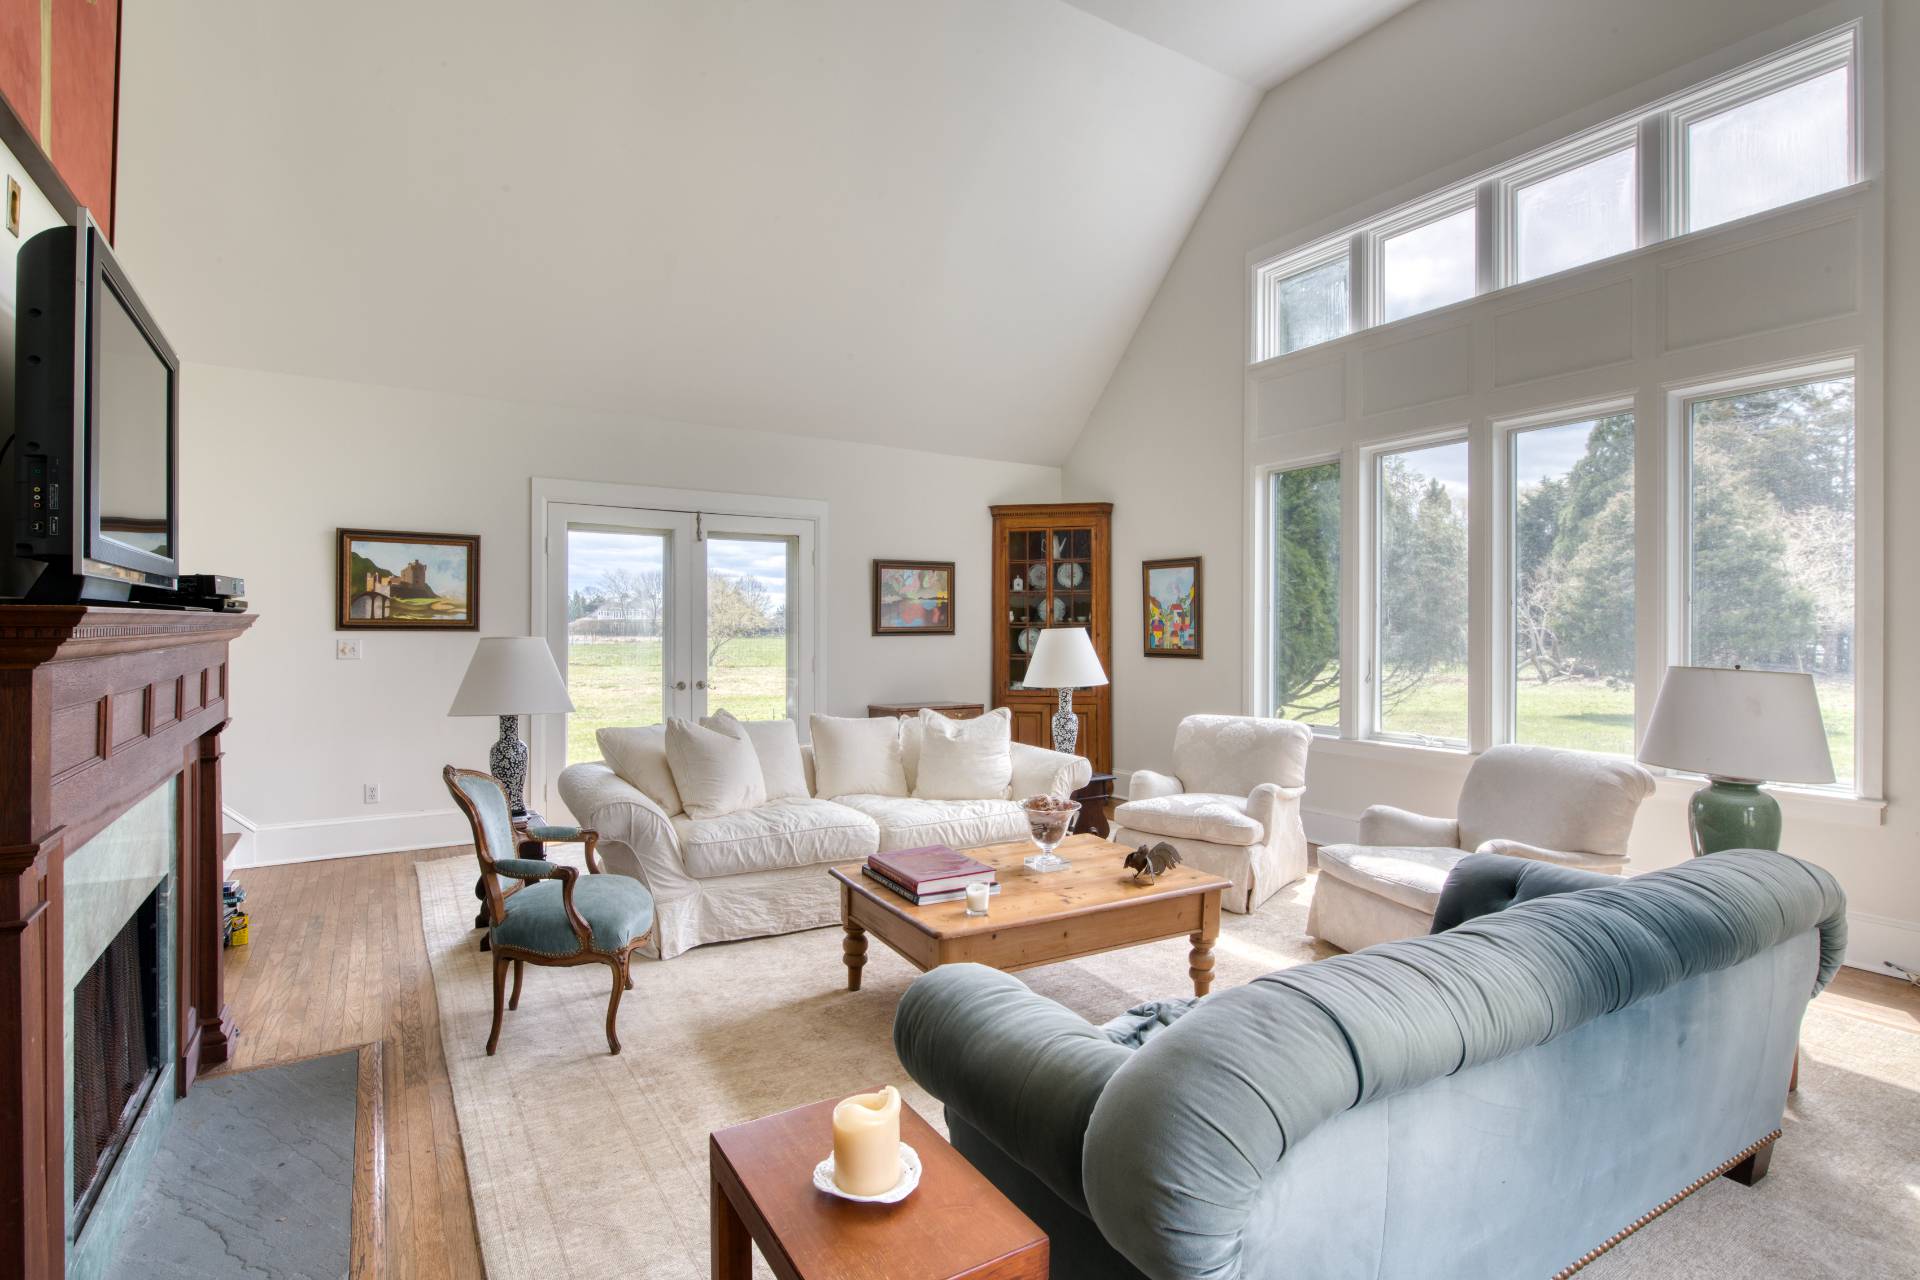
(1200, 958)
(854, 948)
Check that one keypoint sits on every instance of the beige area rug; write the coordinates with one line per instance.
(586, 1165)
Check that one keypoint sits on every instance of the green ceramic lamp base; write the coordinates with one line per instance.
(1731, 814)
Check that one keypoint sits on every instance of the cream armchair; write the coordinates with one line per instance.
(1232, 806)
(1569, 807)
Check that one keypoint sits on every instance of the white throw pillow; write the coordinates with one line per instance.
(965, 759)
(716, 769)
(777, 744)
(640, 757)
(857, 757)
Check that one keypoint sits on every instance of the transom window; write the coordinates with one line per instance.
(1778, 131)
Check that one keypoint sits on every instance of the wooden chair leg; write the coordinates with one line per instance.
(499, 1001)
(519, 971)
(1753, 1168)
(613, 1005)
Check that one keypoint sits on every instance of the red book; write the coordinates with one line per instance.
(934, 869)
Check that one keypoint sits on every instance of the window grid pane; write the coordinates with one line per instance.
(1421, 607)
(1305, 617)
(1310, 307)
(1573, 585)
(1773, 150)
(1428, 266)
(1770, 541)
(1576, 216)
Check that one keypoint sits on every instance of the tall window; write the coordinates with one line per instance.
(1305, 620)
(1770, 541)
(1421, 607)
(1572, 558)
(1429, 265)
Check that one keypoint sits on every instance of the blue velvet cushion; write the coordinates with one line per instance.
(494, 820)
(617, 908)
(528, 868)
(561, 835)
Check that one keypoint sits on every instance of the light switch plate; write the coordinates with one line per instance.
(347, 650)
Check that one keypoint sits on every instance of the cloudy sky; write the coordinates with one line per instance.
(591, 553)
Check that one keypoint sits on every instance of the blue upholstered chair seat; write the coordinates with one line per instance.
(617, 909)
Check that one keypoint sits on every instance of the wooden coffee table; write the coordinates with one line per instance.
(1036, 919)
(955, 1223)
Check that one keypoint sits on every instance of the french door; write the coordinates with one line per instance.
(655, 613)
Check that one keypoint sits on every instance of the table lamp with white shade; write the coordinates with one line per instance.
(511, 676)
(1063, 659)
(1740, 728)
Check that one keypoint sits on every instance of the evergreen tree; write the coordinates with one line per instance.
(1306, 590)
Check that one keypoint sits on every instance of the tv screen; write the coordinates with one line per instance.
(130, 424)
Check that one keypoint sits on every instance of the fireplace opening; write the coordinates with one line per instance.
(116, 1049)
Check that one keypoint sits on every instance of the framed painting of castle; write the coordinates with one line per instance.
(1170, 607)
(387, 580)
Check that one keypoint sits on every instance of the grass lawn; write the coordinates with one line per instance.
(617, 683)
(1586, 715)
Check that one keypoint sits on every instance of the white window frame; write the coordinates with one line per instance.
(1597, 145)
(1445, 205)
(1658, 130)
(1506, 433)
(1366, 706)
(1803, 62)
(1262, 595)
(1677, 563)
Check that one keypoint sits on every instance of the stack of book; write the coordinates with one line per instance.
(933, 874)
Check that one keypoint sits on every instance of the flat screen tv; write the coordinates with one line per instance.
(96, 425)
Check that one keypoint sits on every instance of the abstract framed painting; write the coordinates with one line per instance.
(389, 580)
(1170, 600)
(913, 597)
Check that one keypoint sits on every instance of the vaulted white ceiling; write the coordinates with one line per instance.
(1257, 42)
(930, 224)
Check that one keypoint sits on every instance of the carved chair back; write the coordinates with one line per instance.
(484, 801)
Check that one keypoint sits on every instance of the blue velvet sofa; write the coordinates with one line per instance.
(1566, 1056)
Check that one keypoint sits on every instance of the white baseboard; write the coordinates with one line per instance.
(1873, 940)
(266, 844)
(1330, 828)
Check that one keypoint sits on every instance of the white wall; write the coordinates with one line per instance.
(1441, 90)
(271, 464)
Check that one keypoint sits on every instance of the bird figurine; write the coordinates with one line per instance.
(1149, 861)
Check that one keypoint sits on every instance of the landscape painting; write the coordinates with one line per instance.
(393, 581)
(1170, 591)
(913, 597)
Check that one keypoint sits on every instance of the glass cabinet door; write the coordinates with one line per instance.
(1050, 584)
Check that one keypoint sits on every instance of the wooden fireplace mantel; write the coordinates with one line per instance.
(98, 706)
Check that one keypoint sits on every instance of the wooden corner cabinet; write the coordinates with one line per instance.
(1053, 567)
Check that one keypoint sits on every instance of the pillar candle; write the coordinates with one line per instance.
(866, 1142)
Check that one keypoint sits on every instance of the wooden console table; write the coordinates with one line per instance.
(98, 708)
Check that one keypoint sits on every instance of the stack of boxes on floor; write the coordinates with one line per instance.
(237, 922)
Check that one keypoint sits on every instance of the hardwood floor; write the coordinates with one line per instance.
(338, 959)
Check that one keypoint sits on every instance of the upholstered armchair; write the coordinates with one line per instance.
(1571, 808)
(552, 916)
(1232, 805)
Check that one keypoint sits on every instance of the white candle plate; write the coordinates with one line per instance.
(909, 1179)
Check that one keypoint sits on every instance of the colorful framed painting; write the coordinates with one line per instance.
(387, 580)
(1170, 595)
(913, 597)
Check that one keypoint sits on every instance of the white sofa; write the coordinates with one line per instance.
(1570, 807)
(1233, 806)
(762, 871)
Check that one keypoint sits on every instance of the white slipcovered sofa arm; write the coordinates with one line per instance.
(1561, 857)
(1268, 801)
(1382, 824)
(636, 838)
(1145, 784)
(1038, 771)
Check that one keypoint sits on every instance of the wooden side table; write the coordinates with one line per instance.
(1094, 799)
(951, 710)
(955, 1223)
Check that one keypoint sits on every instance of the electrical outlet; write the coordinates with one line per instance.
(347, 650)
(370, 793)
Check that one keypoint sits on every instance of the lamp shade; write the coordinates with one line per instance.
(1063, 658)
(511, 676)
(1757, 726)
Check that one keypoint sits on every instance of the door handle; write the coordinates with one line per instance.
(680, 685)
(699, 684)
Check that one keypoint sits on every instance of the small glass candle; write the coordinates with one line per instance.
(866, 1142)
(977, 899)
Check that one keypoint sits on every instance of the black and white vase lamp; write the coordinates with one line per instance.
(1064, 659)
(511, 676)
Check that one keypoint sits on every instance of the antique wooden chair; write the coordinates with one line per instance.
(555, 917)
